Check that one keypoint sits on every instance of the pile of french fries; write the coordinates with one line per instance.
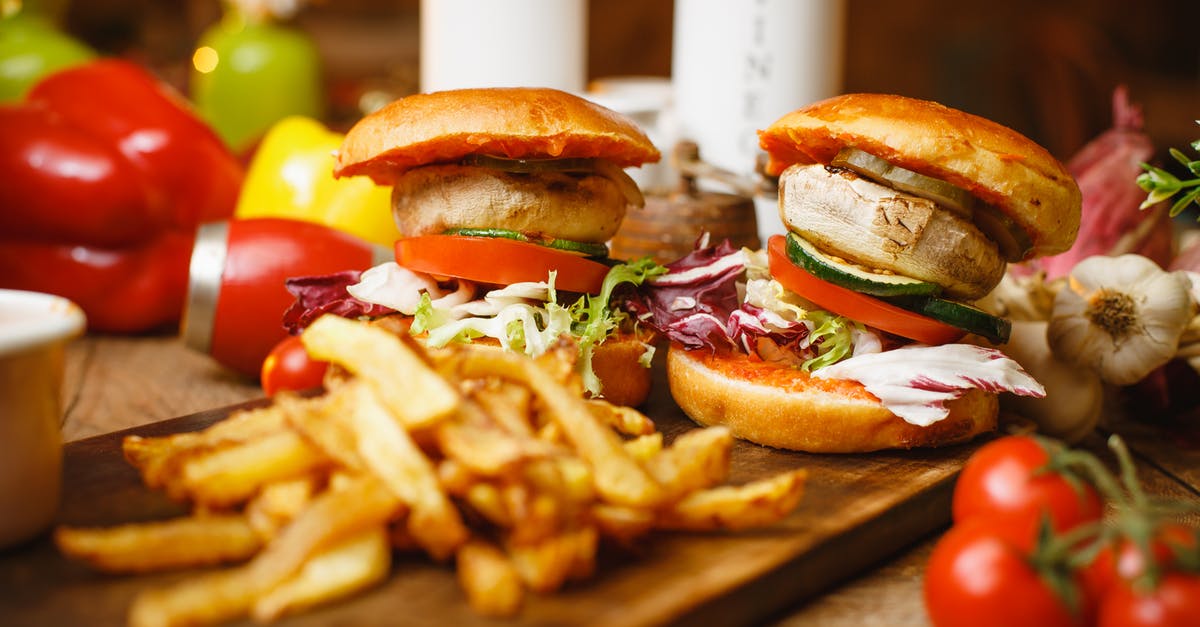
(489, 458)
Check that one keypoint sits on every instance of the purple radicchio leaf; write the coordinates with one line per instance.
(748, 324)
(321, 294)
(692, 302)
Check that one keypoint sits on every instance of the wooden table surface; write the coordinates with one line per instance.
(116, 382)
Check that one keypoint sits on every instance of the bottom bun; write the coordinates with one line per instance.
(786, 408)
(623, 379)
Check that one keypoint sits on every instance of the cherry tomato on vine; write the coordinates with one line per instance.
(289, 367)
(1122, 562)
(1174, 603)
(1005, 482)
(977, 576)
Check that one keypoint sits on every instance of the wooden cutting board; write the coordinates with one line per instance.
(857, 511)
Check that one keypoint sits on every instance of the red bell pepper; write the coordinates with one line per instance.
(107, 174)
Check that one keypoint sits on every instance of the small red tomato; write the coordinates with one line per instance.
(288, 367)
(979, 577)
(1123, 562)
(1174, 603)
(1004, 482)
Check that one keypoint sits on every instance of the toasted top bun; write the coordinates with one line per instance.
(993, 162)
(513, 123)
(786, 408)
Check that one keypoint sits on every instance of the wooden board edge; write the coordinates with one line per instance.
(793, 584)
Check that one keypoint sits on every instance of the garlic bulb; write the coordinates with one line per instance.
(1074, 396)
(1021, 297)
(1120, 316)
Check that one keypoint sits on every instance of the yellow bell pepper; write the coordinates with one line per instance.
(291, 176)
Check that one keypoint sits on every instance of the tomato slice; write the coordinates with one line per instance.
(854, 305)
(498, 260)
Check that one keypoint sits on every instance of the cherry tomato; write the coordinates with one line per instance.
(1174, 603)
(1001, 483)
(498, 260)
(288, 367)
(1123, 562)
(854, 305)
(978, 577)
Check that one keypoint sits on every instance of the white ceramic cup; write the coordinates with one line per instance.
(34, 331)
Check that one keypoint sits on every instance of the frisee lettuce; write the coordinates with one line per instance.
(831, 336)
(532, 329)
(832, 339)
(595, 319)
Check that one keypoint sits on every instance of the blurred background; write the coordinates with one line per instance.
(279, 81)
(1045, 68)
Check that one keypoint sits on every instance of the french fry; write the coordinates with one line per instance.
(624, 419)
(535, 516)
(508, 404)
(227, 476)
(545, 566)
(245, 424)
(392, 455)
(202, 600)
(158, 458)
(559, 363)
(278, 503)
(186, 542)
(403, 449)
(487, 500)
(455, 477)
(478, 443)
(619, 478)
(318, 423)
(337, 572)
(622, 523)
(566, 478)
(696, 459)
(756, 504)
(412, 391)
(400, 539)
(363, 503)
(551, 432)
(488, 578)
(148, 455)
(644, 447)
(586, 542)
(578, 484)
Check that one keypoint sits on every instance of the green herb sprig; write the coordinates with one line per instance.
(1161, 185)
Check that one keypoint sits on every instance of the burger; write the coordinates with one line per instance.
(505, 199)
(856, 331)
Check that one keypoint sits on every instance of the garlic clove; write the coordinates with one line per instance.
(1074, 396)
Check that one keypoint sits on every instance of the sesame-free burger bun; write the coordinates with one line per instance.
(513, 123)
(617, 363)
(786, 408)
(994, 163)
